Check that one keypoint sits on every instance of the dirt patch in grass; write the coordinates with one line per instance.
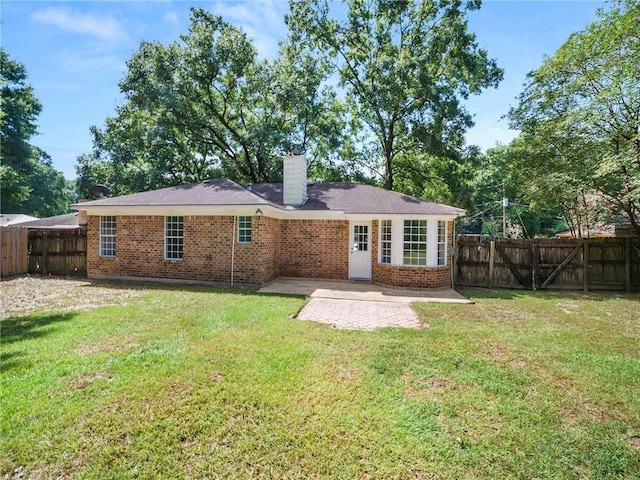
(29, 294)
(84, 381)
(109, 346)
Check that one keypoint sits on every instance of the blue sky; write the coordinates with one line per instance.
(75, 54)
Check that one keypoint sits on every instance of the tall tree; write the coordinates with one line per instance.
(28, 182)
(580, 112)
(207, 106)
(405, 66)
(499, 174)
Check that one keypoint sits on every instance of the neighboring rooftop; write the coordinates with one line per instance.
(68, 220)
(11, 219)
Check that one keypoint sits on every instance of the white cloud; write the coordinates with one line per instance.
(106, 28)
(263, 22)
(172, 18)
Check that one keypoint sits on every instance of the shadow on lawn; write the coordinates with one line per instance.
(18, 329)
(504, 294)
(160, 286)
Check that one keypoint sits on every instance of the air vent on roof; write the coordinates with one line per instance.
(99, 191)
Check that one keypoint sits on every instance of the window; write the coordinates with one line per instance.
(415, 242)
(244, 229)
(385, 241)
(173, 238)
(108, 236)
(360, 238)
(442, 243)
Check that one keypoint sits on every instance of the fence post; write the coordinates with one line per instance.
(492, 257)
(454, 262)
(627, 265)
(585, 257)
(534, 265)
(45, 255)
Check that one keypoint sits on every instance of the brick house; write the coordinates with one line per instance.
(223, 232)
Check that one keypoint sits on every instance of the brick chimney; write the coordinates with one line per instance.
(82, 214)
(294, 187)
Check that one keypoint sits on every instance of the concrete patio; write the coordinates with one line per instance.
(360, 305)
(359, 290)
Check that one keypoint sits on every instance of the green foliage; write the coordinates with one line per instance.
(405, 66)
(28, 182)
(504, 171)
(206, 107)
(580, 119)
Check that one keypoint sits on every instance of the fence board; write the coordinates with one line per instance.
(576, 264)
(58, 251)
(14, 251)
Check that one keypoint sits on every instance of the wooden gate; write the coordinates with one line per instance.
(58, 251)
(597, 263)
(13, 242)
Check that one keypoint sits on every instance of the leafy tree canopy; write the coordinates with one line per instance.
(580, 119)
(207, 106)
(28, 182)
(405, 66)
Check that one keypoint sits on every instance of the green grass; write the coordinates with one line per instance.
(205, 383)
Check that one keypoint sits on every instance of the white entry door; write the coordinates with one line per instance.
(360, 250)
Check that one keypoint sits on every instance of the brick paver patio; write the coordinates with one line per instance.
(360, 314)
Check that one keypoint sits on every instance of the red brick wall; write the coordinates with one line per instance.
(207, 250)
(315, 249)
(404, 276)
(292, 248)
(267, 234)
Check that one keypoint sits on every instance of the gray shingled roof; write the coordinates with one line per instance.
(357, 198)
(221, 191)
(346, 197)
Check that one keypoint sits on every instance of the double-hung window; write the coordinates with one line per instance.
(173, 238)
(442, 243)
(385, 241)
(108, 236)
(244, 229)
(415, 242)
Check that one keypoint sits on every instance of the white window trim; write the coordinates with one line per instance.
(438, 243)
(250, 229)
(173, 259)
(103, 235)
(397, 242)
(380, 242)
(415, 243)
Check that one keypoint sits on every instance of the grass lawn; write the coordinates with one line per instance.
(206, 383)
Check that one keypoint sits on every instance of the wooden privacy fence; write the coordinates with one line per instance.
(13, 242)
(58, 251)
(585, 264)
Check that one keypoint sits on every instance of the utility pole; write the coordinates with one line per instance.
(505, 203)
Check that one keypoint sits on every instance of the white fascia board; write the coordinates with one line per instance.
(248, 210)
(416, 216)
(209, 210)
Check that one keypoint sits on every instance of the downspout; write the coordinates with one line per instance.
(233, 248)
